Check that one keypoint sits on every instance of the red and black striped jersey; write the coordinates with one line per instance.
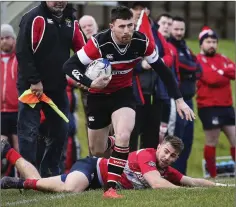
(123, 58)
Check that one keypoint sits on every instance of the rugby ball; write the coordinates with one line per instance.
(97, 68)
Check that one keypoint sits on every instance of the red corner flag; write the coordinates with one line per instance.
(144, 26)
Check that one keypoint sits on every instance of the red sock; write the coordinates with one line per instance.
(30, 184)
(12, 156)
(232, 152)
(210, 157)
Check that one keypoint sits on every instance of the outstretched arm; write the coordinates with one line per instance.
(196, 182)
(155, 180)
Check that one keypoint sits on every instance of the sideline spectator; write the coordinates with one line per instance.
(214, 97)
(89, 27)
(47, 33)
(165, 25)
(189, 70)
(9, 96)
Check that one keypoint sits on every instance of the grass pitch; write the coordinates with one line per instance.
(185, 197)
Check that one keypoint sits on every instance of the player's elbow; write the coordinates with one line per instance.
(156, 186)
(65, 67)
(163, 185)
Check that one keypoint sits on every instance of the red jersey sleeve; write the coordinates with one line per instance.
(174, 54)
(89, 52)
(151, 55)
(168, 58)
(173, 175)
(229, 69)
(146, 160)
(78, 37)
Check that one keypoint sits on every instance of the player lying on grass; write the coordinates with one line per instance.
(146, 168)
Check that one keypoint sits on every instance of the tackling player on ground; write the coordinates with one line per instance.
(146, 168)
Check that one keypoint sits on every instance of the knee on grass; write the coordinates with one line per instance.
(71, 189)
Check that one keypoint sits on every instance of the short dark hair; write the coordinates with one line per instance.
(163, 15)
(175, 142)
(143, 4)
(121, 12)
(179, 19)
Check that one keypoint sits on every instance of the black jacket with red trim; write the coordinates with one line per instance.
(189, 68)
(43, 45)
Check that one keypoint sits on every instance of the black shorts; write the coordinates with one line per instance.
(8, 123)
(87, 166)
(101, 106)
(216, 117)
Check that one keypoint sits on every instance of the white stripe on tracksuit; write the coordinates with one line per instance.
(172, 118)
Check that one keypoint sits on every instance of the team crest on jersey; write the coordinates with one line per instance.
(152, 164)
(50, 21)
(68, 22)
(109, 57)
(135, 53)
(91, 118)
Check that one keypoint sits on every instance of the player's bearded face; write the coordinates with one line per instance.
(209, 46)
(178, 30)
(122, 30)
(57, 7)
(7, 44)
(166, 155)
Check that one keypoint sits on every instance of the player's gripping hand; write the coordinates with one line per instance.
(184, 110)
(79, 85)
(145, 65)
(101, 82)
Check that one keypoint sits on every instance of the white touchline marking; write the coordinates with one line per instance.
(59, 196)
(207, 188)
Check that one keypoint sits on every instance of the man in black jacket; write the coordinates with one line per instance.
(189, 72)
(47, 34)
